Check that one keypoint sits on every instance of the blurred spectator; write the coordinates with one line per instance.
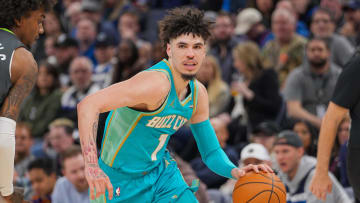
(251, 154)
(301, 27)
(105, 55)
(129, 28)
(309, 88)
(286, 51)
(249, 27)
(218, 91)
(304, 10)
(266, 7)
(222, 44)
(112, 9)
(259, 88)
(211, 179)
(351, 10)
(49, 46)
(265, 134)
(323, 26)
(66, 49)
(52, 28)
(23, 143)
(42, 176)
(61, 134)
(86, 32)
(73, 187)
(60, 138)
(157, 53)
(41, 107)
(190, 176)
(80, 75)
(73, 14)
(126, 67)
(92, 10)
(297, 170)
(335, 7)
(308, 135)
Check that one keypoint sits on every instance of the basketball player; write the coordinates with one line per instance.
(20, 25)
(346, 98)
(134, 165)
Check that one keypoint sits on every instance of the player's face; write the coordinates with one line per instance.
(41, 183)
(288, 158)
(74, 171)
(186, 54)
(30, 27)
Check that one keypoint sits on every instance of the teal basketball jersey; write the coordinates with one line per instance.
(135, 141)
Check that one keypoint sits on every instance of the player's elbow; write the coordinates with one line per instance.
(83, 105)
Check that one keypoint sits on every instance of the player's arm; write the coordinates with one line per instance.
(211, 153)
(23, 76)
(147, 89)
(321, 182)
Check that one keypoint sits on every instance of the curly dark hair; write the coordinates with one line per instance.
(12, 10)
(184, 20)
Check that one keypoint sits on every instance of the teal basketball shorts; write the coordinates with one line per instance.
(162, 184)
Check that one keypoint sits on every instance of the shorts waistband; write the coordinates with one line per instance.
(118, 174)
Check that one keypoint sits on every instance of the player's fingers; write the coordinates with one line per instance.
(323, 195)
(109, 188)
(329, 188)
(268, 168)
(255, 168)
(98, 189)
(91, 186)
(262, 167)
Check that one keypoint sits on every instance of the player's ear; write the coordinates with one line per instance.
(168, 50)
(18, 22)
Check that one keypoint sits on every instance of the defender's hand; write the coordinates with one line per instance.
(98, 180)
(239, 172)
(321, 184)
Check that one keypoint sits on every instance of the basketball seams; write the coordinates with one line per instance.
(257, 195)
(272, 187)
(259, 182)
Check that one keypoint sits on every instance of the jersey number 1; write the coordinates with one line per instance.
(162, 141)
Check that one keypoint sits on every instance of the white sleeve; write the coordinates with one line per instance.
(7, 154)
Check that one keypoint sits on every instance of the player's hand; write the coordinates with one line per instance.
(239, 172)
(98, 181)
(320, 185)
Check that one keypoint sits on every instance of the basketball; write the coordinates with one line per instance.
(259, 188)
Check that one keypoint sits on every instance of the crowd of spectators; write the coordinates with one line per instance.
(270, 72)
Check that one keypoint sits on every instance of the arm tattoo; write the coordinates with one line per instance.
(89, 147)
(17, 94)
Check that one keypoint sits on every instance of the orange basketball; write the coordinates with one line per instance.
(259, 188)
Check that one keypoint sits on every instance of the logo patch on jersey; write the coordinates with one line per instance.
(117, 191)
(172, 103)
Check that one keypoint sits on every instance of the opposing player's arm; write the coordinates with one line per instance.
(23, 77)
(321, 183)
(147, 89)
